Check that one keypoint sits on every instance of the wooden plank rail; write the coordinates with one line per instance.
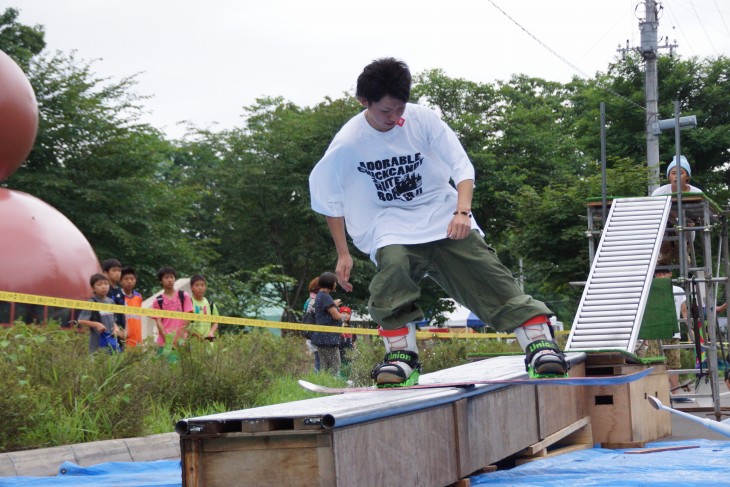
(430, 437)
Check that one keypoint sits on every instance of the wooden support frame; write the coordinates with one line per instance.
(452, 440)
(577, 436)
(452, 432)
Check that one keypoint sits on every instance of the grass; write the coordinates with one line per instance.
(55, 393)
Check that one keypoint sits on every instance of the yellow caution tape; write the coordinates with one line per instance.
(228, 320)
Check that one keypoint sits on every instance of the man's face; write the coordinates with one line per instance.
(198, 289)
(168, 281)
(384, 114)
(113, 274)
(101, 288)
(673, 178)
(128, 282)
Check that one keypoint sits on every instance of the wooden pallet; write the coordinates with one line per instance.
(574, 437)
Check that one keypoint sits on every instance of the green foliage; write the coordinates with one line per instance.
(110, 175)
(552, 235)
(55, 393)
(234, 204)
(287, 389)
(250, 293)
(20, 42)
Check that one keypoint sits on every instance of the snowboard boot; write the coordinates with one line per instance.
(400, 365)
(543, 357)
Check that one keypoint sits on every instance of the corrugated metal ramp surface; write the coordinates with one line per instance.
(610, 312)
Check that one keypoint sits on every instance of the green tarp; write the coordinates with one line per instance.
(660, 315)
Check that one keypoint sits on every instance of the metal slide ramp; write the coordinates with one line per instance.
(612, 306)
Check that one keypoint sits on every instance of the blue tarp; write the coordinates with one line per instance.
(707, 465)
(161, 473)
(473, 321)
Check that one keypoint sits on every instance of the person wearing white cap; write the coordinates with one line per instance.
(669, 249)
(686, 175)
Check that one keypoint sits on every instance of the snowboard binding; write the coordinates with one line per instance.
(544, 359)
(399, 368)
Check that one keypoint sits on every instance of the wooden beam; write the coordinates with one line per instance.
(557, 436)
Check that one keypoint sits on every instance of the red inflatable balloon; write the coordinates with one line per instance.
(41, 251)
(18, 116)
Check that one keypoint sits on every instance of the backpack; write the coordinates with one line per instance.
(181, 295)
(309, 318)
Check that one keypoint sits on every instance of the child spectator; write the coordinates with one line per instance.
(134, 299)
(202, 306)
(309, 318)
(348, 339)
(347, 342)
(171, 300)
(101, 324)
(112, 269)
(327, 313)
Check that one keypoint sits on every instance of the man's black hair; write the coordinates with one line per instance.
(109, 263)
(129, 270)
(165, 270)
(96, 278)
(196, 278)
(385, 76)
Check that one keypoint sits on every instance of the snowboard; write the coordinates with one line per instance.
(609, 380)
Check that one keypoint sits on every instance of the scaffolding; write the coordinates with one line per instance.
(694, 221)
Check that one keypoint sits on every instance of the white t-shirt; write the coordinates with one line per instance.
(667, 189)
(679, 299)
(392, 187)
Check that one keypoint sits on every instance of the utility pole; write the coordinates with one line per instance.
(649, 46)
(649, 26)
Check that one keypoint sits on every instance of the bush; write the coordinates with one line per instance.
(55, 393)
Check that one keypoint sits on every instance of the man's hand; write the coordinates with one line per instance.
(344, 259)
(344, 266)
(459, 227)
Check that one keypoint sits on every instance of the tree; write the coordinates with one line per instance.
(701, 87)
(262, 192)
(109, 174)
(20, 42)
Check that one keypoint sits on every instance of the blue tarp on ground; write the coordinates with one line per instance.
(707, 465)
(161, 473)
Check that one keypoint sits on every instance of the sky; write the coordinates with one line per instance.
(203, 61)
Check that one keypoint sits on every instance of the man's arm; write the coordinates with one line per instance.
(460, 224)
(344, 259)
(97, 325)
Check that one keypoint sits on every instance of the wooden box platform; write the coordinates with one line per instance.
(621, 415)
(359, 439)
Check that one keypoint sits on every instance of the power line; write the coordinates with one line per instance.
(551, 50)
(722, 17)
(678, 26)
(702, 24)
(573, 66)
